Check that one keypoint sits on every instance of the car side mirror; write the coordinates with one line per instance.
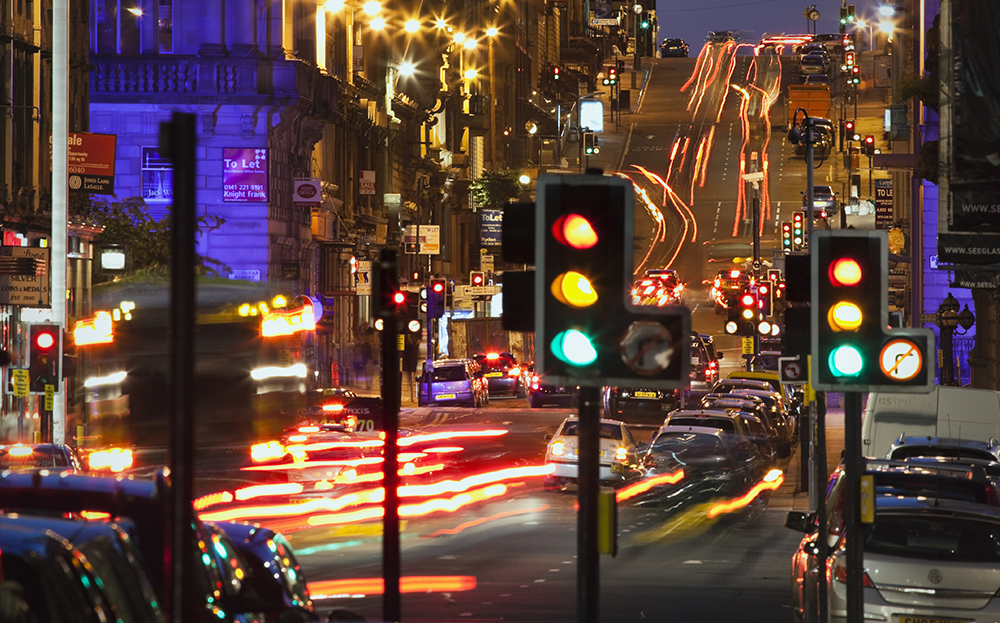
(548, 438)
(798, 521)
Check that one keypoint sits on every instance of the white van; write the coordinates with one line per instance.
(957, 412)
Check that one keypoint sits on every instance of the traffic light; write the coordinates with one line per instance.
(44, 348)
(786, 236)
(644, 23)
(411, 314)
(852, 348)
(555, 72)
(477, 278)
(869, 145)
(850, 132)
(765, 296)
(612, 78)
(436, 294)
(855, 74)
(748, 306)
(843, 17)
(590, 144)
(798, 230)
(416, 276)
(587, 332)
(851, 14)
(849, 59)
(387, 299)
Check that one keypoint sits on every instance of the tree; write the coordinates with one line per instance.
(495, 188)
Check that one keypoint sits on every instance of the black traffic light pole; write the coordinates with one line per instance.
(588, 577)
(853, 466)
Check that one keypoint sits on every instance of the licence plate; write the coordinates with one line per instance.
(617, 468)
(493, 374)
(576, 452)
(444, 396)
(909, 618)
(645, 394)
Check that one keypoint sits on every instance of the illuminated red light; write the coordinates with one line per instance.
(747, 299)
(734, 274)
(845, 271)
(574, 231)
(45, 340)
(399, 298)
(438, 287)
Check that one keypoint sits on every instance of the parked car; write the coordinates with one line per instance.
(541, 393)
(502, 373)
(619, 455)
(673, 47)
(892, 480)
(638, 405)
(814, 64)
(451, 382)
(952, 449)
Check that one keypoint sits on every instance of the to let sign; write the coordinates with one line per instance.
(91, 163)
(244, 175)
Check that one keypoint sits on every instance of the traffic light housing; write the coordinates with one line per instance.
(587, 332)
(477, 278)
(748, 309)
(855, 74)
(869, 145)
(44, 354)
(555, 72)
(798, 230)
(436, 294)
(786, 236)
(849, 59)
(644, 21)
(843, 17)
(852, 347)
(411, 313)
(612, 78)
(590, 147)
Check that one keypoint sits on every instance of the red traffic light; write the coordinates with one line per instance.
(45, 340)
(574, 231)
(845, 271)
(747, 300)
(438, 287)
(869, 140)
(399, 298)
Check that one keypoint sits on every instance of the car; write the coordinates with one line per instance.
(832, 42)
(54, 456)
(814, 64)
(823, 140)
(720, 36)
(772, 379)
(816, 79)
(704, 371)
(673, 47)
(765, 361)
(774, 443)
(541, 393)
(659, 291)
(891, 480)
(824, 200)
(450, 382)
(620, 453)
(776, 406)
(812, 47)
(924, 560)
(502, 374)
(951, 449)
(637, 405)
(730, 384)
(727, 285)
(340, 405)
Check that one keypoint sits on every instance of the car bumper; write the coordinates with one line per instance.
(502, 386)
(877, 609)
(570, 470)
(459, 398)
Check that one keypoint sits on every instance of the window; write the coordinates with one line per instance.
(157, 176)
(165, 27)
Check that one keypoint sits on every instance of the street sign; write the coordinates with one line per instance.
(20, 379)
(464, 291)
(26, 290)
(748, 346)
(790, 370)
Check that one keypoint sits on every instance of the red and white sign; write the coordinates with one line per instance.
(307, 192)
(368, 182)
(91, 162)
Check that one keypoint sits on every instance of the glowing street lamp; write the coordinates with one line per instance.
(470, 74)
(372, 7)
(377, 24)
(412, 25)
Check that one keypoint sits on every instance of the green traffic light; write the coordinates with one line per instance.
(574, 348)
(645, 24)
(846, 361)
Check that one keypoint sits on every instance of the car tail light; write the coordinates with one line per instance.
(514, 372)
(556, 449)
(534, 382)
(621, 454)
(840, 573)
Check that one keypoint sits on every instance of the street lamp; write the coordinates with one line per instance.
(948, 319)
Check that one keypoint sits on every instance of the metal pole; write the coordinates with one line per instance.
(756, 263)
(947, 356)
(810, 175)
(853, 467)
(588, 479)
(60, 190)
(177, 138)
(820, 474)
(390, 464)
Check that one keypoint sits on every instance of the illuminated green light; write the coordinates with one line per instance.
(846, 361)
(574, 348)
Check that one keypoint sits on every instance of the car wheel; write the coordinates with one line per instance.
(550, 483)
(533, 402)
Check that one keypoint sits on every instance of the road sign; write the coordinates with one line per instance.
(748, 346)
(463, 291)
(901, 359)
(20, 378)
(26, 290)
(790, 370)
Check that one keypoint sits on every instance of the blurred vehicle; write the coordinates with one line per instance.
(108, 554)
(783, 420)
(728, 284)
(823, 144)
(731, 383)
(944, 448)
(450, 382)
(47, 455)
(662, 288)
(924, 560)
(673, 47)
(315, 456)
(892, 480)
(502, 374)
(704, 370)
(338, 405)
(771, 378)
(816, 79)
(833, 43)
(46, 579)
(814, 64)
(619, 455)
(541, 393)
(715, 463)
(730, 422)
(823, 199)
(714, 355)
(634, 404)
(720, 36)
(766, 433)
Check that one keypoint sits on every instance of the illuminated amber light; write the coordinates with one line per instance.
(845, 272)
(96, 330)
(20, 451)
(845, 316)
(115, 459)
(575, 231)
(288, 323)
(574, 289)
(407, 584)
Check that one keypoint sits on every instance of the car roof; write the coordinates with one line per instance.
(912, 504)
(704, 430)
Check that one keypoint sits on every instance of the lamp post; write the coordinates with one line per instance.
(948, 320)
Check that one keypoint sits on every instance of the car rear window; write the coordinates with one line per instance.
(936, 538)
(448, 374)
(725, 425)
(807, 60)
(608, 431)
(688, 444)
(905, 452)
(932, 485)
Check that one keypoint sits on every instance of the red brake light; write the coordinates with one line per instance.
(734, 274)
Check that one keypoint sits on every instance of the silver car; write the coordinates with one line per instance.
(925, 559)
(620, 454)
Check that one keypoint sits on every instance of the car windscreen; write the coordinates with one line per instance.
(446, 374)
(687, 444)
(725, 425)
(934, 537)
(608, 431)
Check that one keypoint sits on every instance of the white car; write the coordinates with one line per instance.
(925, 559)
(619, 457)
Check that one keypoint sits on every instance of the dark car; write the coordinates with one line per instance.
(638, 405)
(720, 36)
(728, 285)
(824, 200)
(823, 139)
(48, 455)
(673, 47)
(502, 374)
(338, 405)
(704, 370)
(541, 393)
